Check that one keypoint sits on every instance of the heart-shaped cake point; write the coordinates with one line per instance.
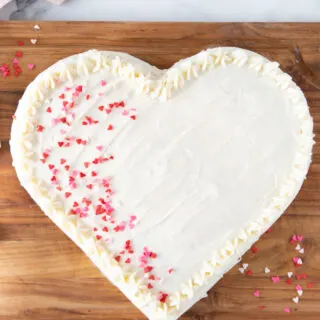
(164, 178)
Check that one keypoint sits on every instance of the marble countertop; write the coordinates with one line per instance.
(169, 10)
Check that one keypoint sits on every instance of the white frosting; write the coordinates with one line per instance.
(205, 173)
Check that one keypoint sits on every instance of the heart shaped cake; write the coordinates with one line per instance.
(164, 178)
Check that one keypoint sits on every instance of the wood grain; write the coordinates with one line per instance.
(43, 275)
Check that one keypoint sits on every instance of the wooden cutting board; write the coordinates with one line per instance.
(43, 275)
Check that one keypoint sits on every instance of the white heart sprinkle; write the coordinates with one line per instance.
(241, 270)
(266, 270)
(245, 265)
(290, 274)
(300, 292)
(36, 27)
(299, 261)
(298, 247)
(301, 251)
(33, 41)
(295, 300)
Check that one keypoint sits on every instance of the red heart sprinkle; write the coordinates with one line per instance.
(60, 143)
(98, 237)
(254, 249)
(150, 286)
(62, 96)
(110, 127)
(63, 161)
(67, 194)
(51, 166)
(117, 258)
(19, 54)
(133, 117)
(49, 110)
(67, 167)
(128, 260)
(82, 174)
(79, 88)
(288, 281)
(162, 297)
(249, 272)
(105, 229)
(88, 96)
(147, 269)
(101, 108)
(20, 43)
(40, 128)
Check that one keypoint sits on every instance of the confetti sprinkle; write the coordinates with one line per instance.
(275, 279)
(162, 297)
(33, 41)
(288, 281)
(103, 83)
(266, 270)
(261, 307)
(20, 43)
(256, 293)
(36, 27)
(295, 299)
(19, 54)
(290, 274)
(287, 310)
(299, 290)
(254, 249)
(31, 66)
(309, 285)
(249, 272)
(170, 270)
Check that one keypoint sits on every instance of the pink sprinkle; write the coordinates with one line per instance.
(62, 131)
(15, 60)
(100, 94)
(55, 171)
(133, 218)
(100, 148)
(256, 293)
(300, 238)
(55, 121)
(31, 66)
(298, 287)
(74, 173)
(287, 310)
(295, 259)
(170, 270)
(73, 185)
(103, 82)
(133, 109)
(125, 113)
(67, 88)
(275, 279)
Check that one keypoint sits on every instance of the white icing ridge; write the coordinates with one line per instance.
(143, 82)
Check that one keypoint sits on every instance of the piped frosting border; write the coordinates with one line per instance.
(158, 85)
